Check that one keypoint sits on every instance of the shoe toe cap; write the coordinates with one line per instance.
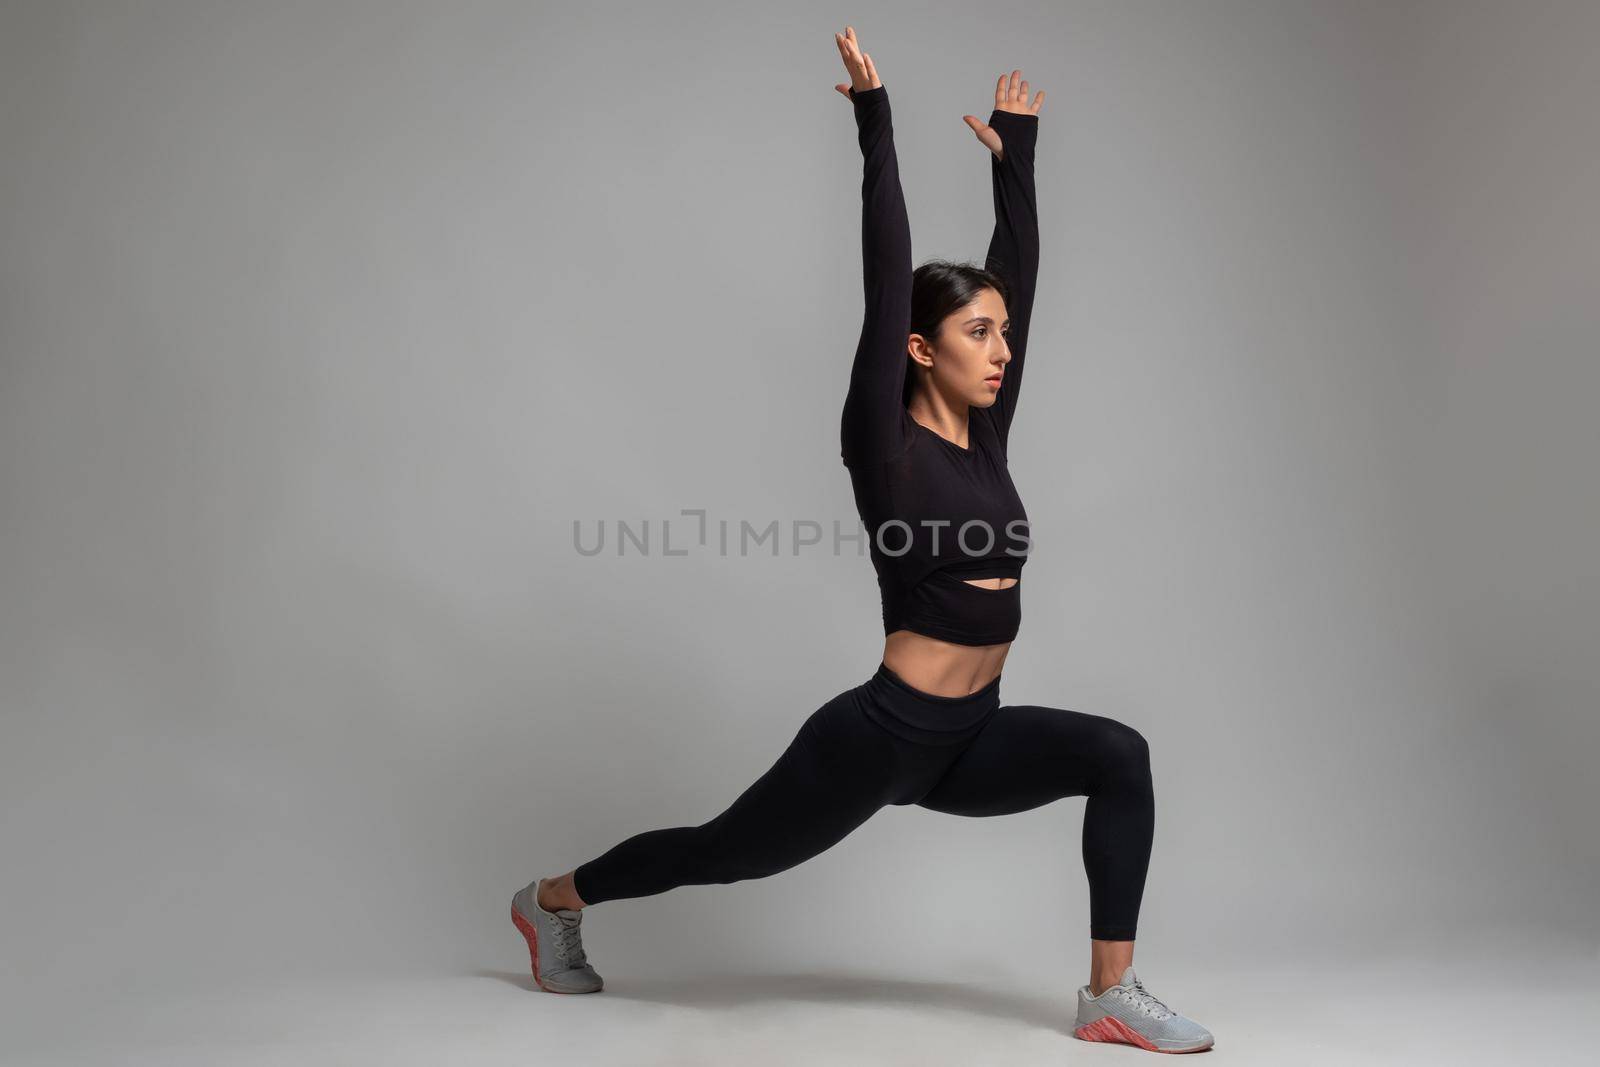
(1190, 1038)
(577, 980)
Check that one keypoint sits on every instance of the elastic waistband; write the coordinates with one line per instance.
(926, 718)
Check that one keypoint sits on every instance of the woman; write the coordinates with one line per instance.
(927, 416)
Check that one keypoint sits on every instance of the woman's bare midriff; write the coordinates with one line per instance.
(945, 668)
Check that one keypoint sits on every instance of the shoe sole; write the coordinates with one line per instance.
(1114, 1031)
(530, 935)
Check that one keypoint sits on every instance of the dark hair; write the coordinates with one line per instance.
(940, 288)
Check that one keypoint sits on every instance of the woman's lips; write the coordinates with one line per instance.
(994, 380)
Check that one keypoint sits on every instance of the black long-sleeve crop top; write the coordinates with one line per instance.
(936, 513)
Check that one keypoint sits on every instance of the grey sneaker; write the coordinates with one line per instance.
(1129, 1014)
(555, 944)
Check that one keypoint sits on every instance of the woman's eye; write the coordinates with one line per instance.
(980, 332)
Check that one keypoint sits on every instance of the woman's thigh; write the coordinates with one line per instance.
(1027, 756)
(838, 770)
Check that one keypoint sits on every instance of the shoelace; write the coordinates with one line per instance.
(1146, 1001)
(569, 943)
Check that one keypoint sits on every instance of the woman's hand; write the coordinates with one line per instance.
(1010, 94)
(863, 75)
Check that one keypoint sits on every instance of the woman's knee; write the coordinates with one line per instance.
(1125, 754)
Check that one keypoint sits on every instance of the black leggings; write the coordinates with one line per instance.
(884, 742)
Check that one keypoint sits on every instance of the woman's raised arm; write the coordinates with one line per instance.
(1010, 135)
(872, 427)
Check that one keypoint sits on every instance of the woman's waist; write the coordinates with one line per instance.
(941, 668)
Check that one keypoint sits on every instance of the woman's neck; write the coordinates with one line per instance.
(943, 418)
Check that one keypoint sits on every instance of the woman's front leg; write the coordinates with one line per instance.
(1027, 756)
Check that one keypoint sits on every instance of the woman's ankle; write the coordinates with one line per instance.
(556, 893)
(1107, 960)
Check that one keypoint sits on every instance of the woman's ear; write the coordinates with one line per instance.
(920, 350)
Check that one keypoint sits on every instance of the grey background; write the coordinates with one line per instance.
(321, 324)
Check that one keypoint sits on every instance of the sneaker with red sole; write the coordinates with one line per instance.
(1129, 1014)
(555, 944)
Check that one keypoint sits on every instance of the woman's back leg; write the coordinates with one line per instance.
(838, 770)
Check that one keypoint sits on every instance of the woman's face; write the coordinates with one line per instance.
(967, 361)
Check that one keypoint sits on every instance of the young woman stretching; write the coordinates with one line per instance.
(927, 417)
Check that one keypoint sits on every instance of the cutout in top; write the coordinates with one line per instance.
(991, 583)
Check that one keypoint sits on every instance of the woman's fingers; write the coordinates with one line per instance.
(854, 46)
(863, 74)
(851, 67)
(846, 52)
(1011, 94)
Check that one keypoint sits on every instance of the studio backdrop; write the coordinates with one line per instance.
(419, 470)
